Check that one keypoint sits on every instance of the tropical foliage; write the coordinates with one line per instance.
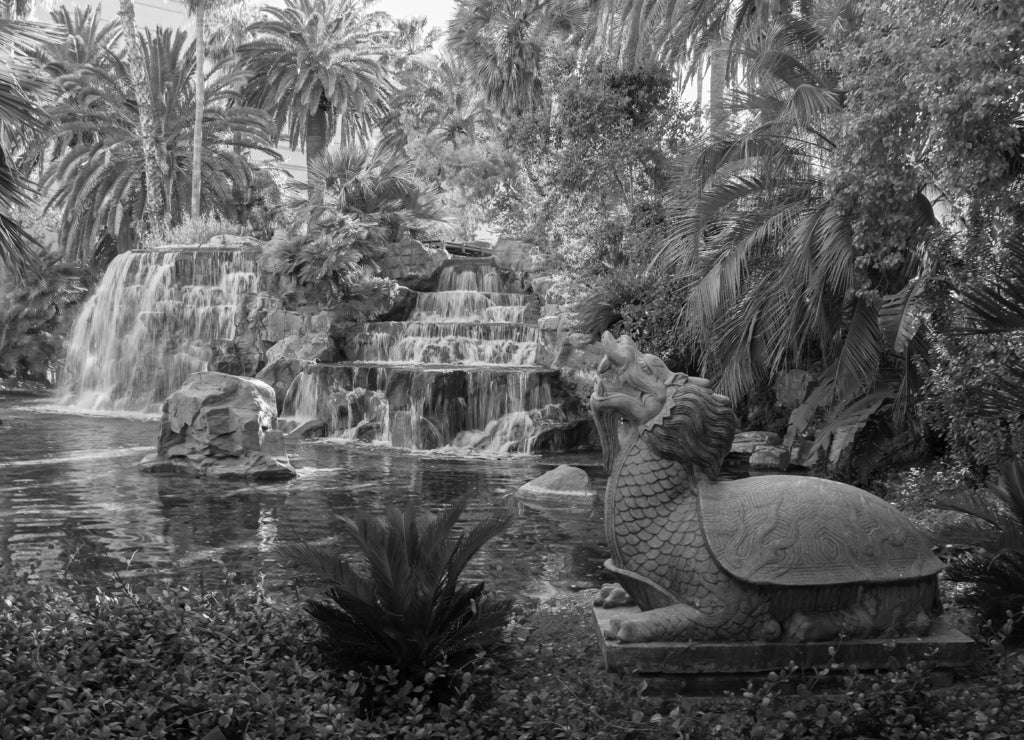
(21, 86)
(994, 530)
(502, 43)
(97, 174)
(371, 198)
(35, 314)
(403, 604)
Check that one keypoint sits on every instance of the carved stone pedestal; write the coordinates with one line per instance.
(710, 668)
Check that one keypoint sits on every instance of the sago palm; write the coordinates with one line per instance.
(402, 602)
(98, 178)
(994, 569)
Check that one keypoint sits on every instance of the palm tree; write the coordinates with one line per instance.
(84, 38)
(376, 186)
(147, 131)
(99, 176)
(20, 88)
(317, 66)
(198, 8)
(694, 35)
(502, 43)
(437, 96)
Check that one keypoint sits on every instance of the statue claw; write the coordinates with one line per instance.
(612, 595)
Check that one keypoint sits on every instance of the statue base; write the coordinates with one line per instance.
(708, 668)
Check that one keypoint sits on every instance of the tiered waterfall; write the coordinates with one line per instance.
(155, 318)
(460, 372)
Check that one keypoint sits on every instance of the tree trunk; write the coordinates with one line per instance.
(316, 144)
(147, 124)
(718, 74)
(197, 133)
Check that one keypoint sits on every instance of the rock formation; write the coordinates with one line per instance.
(220, 426)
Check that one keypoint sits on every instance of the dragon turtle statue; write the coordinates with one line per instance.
(763, 558)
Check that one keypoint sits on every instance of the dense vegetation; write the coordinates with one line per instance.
(749, 187)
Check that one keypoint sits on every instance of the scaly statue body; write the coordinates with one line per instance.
(762, 558)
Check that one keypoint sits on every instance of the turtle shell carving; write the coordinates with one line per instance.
(798, 531)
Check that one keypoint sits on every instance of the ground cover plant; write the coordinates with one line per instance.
(114, 661)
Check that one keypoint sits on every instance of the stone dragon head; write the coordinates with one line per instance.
(680, 416)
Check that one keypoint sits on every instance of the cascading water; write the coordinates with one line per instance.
(153, 320)
(461, 372)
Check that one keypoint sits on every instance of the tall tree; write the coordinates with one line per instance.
(198, 9)
(318, 67)
(147, 133)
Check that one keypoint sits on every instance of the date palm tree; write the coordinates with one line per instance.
(147, 130)
(318, 67)
(197, 8)
(99, 176)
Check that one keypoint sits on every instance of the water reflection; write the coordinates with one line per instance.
(72, 500)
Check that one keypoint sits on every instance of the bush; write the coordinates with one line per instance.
(964, 373)
(194, 231)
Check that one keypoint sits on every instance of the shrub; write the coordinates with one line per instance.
(194, 231)
(965, 371)
(402, 605)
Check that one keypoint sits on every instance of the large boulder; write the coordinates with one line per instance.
(220, 426)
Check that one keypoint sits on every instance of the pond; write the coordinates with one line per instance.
(73, 501)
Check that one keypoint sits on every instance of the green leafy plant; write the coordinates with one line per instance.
(403, 604)
(995, 567)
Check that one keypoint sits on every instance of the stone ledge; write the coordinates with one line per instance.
(710, 667)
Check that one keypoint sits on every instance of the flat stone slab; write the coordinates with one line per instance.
(707, 667)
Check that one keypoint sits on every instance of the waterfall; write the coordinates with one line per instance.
(462, 372)
(154, 319)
